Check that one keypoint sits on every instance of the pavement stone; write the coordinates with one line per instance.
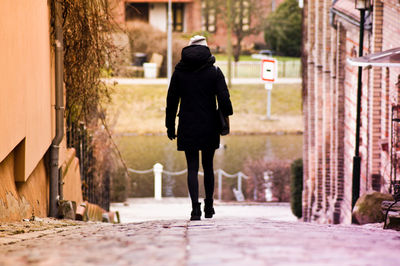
(232, 237)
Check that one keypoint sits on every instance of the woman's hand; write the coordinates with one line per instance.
(171, 134)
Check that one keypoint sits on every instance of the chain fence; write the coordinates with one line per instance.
(158, 171)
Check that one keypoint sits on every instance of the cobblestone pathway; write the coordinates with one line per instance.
(225, 240)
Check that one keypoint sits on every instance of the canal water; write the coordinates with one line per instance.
(142, 152)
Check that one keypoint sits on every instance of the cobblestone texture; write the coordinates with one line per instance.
(231, 238)
(34, 225)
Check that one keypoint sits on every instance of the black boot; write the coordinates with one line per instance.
(196, 212)
(208, 208)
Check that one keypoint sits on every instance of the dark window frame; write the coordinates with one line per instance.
(242, 12)
(209, 16)
(178, 26)
(133, 12)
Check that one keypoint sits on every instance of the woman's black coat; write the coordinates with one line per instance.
(196, 83)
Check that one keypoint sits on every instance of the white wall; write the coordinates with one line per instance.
(158, 16)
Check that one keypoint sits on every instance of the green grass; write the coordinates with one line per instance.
(252, 99)
(141, 108)
(286, 58)
(224, 57)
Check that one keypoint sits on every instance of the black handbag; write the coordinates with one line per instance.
(223, 123)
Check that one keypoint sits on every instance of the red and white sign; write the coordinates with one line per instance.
(268, 70)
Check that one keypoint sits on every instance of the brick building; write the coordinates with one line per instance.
(331, 37)
(190, 16)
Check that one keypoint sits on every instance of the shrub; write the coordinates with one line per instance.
(255, 184)
(119, 186)
(89, 53)
(283, 29)
(280, 179)
(296, 187)
(144, 38)
(109, 172)
(122, 58)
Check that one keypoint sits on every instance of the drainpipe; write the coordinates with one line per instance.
(59, 108)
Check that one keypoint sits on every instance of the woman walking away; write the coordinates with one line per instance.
(196, 83)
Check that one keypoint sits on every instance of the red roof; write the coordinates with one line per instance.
(347, 7)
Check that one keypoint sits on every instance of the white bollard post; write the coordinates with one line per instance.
(158, 169)
(219, 184)
(268, 87)
(268, 190)
(240, 181)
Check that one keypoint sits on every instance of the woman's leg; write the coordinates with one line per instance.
(207, 157)
(192, 159)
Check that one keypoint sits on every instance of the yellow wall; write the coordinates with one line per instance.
(27, 115)
(72, 186)
(26, 83)
(24, 199)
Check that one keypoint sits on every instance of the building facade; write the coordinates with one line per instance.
(27, 116)
(331, 37)
(194, 16)
(186, 14)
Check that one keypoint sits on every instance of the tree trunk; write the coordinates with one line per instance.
(236, 54)
(229, 40)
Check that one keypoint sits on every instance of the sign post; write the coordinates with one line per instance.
(268, 75)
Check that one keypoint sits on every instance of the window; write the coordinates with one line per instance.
(177, 17)
(209, 11)
(241, 14)
(137, 11)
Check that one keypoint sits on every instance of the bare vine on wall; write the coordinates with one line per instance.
(89, 53)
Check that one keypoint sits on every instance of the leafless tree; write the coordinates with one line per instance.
(244, 19)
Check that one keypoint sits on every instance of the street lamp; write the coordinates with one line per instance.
(361, 5)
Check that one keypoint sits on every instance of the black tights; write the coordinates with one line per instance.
(192, 159)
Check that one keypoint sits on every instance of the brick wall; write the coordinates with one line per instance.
(334, 124)
(376, 94)
(326, 69)
(308, 99)
(340, 113)
(319, 125)
(329, 102)
(390, 39)
(304, 60)
(219, 37)
(193, 21)
(193, 16)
